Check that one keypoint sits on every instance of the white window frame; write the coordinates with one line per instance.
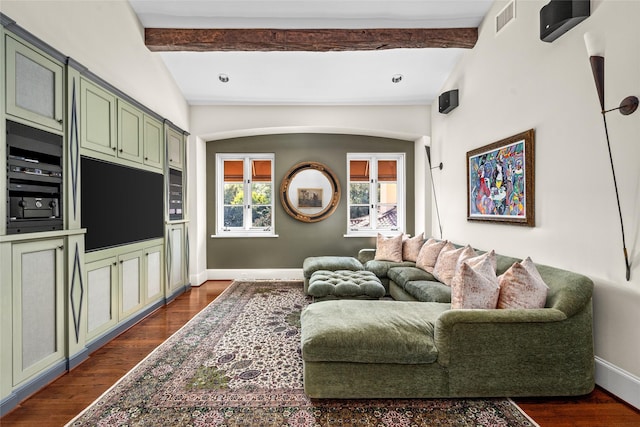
(401, 193)
(247, 230)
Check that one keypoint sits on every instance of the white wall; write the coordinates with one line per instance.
(512, 82)
(107, 38)
(208, 123)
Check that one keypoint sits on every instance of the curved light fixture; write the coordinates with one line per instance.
(595, 49)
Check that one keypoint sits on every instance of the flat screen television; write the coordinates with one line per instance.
(120, 204)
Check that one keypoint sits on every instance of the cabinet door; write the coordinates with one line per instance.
(102, 295)
(97, 118)
(38, 307)
(130, 126)
(175, 149)
(153, 143)
(34, 85)
(130, 281)
(176, 257)
(153, 268)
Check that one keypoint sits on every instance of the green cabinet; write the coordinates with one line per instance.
(102, 293)
(153, 142)
(115, 130)
(154, 277)
(175, 149)
(176, 257)
(97, 118)
(34, 86)
(38, 307)
(130, 128)
(121, 282)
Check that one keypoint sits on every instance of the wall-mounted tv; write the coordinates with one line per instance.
(120, 204)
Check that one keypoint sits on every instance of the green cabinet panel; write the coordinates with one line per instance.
(175, 149)
(130, 128)
(38, 306)
(130, 283)
(97, 118)
(34, 86)
(153, 142)
(154, 277)
(176, 257)
(102, 294)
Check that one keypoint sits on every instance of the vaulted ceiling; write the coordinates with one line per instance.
(310, 52)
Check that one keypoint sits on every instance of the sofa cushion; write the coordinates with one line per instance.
(402, 275)
(389, 248)
(381, 268)
(475, 285)
(522, 287)
(428, 254)
(411, 247)
(345, 284)
(428, 291)
(398, 332)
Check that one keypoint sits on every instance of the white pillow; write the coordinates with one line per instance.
(428, 254)
(475, 286)
(411, 247)
(389, 248)
(521, 286)
(445, 267)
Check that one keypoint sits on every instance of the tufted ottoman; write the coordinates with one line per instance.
(331, 263)
(339, 284)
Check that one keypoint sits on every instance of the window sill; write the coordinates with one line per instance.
(241, 235)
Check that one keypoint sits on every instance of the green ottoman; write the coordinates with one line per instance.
(325, 285)
(332, 263)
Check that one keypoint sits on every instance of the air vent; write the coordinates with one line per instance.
(505, 16)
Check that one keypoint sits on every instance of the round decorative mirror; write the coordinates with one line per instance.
(310, 192)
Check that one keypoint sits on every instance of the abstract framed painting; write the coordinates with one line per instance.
(500, 181)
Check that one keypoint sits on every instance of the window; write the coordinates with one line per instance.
(244, 194)
(376, 192)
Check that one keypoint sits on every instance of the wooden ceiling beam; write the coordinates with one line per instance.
(313, 40)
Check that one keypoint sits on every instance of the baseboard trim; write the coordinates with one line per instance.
(619, 382)
(255, 274)
(199, 278)
(32, 385)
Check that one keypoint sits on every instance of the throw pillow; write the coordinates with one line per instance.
(475, 286)
(428, 254)
(389, 248)
(477, 259)
(411, 247)
(446, 263)
(522, 287)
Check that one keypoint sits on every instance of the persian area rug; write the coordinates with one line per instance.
(238, 363)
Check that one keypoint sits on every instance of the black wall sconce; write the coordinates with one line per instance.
(627, 106)
(559, 16)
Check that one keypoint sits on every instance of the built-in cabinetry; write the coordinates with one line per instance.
(58, 301)
(114, 130)
(121, 281)
(34, 86)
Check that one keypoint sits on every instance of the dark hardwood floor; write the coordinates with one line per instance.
(59, 402)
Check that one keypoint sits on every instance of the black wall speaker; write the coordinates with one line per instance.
(559, 16)
(448, 101)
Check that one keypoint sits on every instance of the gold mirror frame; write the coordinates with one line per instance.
(305, 210)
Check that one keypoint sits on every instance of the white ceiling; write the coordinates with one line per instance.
(311, 78)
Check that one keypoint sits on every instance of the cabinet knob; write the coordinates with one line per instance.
(121, 150)
(114, 148)
(61, 247)
(59, 121)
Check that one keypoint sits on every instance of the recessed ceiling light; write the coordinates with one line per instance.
(396, 78)
(223, 78)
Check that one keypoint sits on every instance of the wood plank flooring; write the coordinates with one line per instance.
(63, 399)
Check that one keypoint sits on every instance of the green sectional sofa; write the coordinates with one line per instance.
(416, 346)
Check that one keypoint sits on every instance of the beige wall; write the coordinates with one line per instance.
(107, 38)
(512, 82)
